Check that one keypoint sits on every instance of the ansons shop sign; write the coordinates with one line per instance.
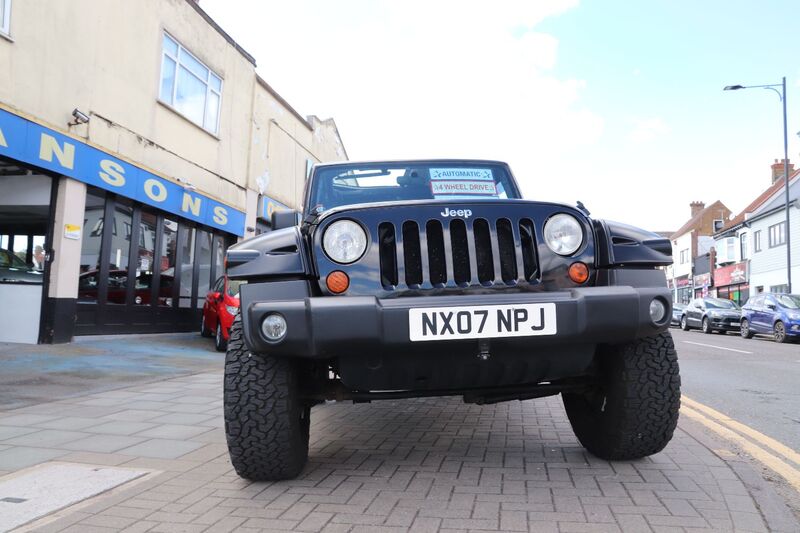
(31, 143)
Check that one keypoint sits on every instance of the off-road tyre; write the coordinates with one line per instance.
(266, 424)
(219, 341)
(706, 326)
(633, 411)
(684, 323)
(744, 329)
(779, 332)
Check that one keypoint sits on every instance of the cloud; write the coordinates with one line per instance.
(425, 79)
(648, 129)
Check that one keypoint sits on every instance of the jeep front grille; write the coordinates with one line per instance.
(455, 252)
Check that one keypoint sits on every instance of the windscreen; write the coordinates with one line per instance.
(339, 186)
(789, 301)
(715, 303)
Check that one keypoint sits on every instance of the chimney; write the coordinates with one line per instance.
(697, 207)
(777, 170)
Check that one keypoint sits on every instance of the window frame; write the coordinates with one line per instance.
(684, 256)
(779, 232)
(756, 241)
(744, 246)
(5, 22)
(207, 83)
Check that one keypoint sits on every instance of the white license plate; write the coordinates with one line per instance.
(479, 322)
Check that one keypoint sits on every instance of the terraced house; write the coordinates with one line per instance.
(137, 142)
(751, 249)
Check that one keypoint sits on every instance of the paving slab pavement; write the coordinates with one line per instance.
(33, 374)
(394, 466)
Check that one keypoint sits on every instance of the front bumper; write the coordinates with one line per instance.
(727, 324)
(793, 328)
(333, 326)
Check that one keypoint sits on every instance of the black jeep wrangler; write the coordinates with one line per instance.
(409, 279)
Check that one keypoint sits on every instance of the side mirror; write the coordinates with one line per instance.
(284, 219)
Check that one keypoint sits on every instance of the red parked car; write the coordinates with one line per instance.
(219, 309)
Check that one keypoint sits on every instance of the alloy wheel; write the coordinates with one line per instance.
(745, 329)
(779, 332)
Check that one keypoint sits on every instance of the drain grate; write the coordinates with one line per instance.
(29, 495)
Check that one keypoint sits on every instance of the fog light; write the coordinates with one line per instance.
(274, 327)
(657, 310)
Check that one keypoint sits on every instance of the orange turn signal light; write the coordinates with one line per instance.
(578, 272)
(337, 282)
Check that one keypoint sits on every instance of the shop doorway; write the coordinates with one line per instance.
(25, 225)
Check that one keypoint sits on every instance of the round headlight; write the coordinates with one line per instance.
(563, 234)
(657, 310)
(344, 241)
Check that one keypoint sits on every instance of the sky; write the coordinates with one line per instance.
(615, 103)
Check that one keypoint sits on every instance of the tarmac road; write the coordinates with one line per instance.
(755, 381)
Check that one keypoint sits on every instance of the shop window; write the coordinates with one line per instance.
(5, 17)
(203, 260)
(166, 262)
(189, 86)
(145, 258)
(88, 283)
(777, 234)
(779, 288)
(117, 251)
(219, 255)
(186, 268)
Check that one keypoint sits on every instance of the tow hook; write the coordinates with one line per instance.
(483, 349)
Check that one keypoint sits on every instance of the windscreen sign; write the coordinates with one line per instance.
(463, 182)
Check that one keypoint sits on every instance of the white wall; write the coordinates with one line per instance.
(768, 267)
(683, 242)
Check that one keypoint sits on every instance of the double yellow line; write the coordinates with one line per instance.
(776, 456)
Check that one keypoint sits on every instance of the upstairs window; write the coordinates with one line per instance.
(684, 256)
(777, 234)
(744, 248)
(188, 86)
(5, 16)
(757, 241)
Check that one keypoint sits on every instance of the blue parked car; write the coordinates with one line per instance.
(775, 314)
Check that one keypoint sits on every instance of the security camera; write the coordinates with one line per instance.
(80, 117)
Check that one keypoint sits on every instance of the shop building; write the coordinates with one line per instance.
(732, 282)
(131, 157)
(693, 239)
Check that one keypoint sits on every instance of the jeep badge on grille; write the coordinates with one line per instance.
(466, 213)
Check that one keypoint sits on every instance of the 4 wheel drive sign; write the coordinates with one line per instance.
(27, 141)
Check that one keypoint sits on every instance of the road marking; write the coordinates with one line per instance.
(759, 437)
(717, 347)
(770, 460)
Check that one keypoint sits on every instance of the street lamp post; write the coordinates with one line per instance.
(782, 95)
